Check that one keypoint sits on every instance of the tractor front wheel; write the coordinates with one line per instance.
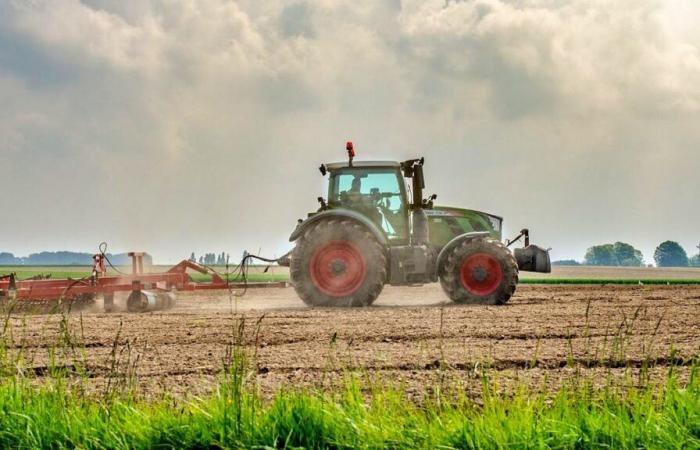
(337, 262)
(480, 271)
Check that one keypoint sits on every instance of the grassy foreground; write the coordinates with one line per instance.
(235, 417)
(56, 410)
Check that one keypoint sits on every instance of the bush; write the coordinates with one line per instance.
(601, 255)
(670, 254)
(627, 255)
(694, 261)
(566, 262)
(617, 254)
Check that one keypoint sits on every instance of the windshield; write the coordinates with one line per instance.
(376, 193)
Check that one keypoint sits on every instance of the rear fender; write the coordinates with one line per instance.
(457, 240)
(342, 214)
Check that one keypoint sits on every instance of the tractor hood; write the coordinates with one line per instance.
(471, 220)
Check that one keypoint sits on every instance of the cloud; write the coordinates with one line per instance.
(87, 35)
(175, 126)
(577, 56)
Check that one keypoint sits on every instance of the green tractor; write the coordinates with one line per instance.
(373, 230)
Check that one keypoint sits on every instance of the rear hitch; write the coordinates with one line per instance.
(285, 259)
(524, 233)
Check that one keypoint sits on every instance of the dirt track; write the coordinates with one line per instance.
(407, 335)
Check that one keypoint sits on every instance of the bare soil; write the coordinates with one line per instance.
(588, 272)
(544, 335)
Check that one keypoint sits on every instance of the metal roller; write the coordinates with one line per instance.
(145, 301)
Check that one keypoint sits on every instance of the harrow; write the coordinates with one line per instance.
(148, 291)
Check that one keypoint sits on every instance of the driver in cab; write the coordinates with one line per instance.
(355, 199)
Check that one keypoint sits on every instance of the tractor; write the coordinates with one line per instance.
(376, 228)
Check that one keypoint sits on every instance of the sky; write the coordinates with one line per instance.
(174, 126)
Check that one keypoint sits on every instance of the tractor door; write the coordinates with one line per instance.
(377, 193)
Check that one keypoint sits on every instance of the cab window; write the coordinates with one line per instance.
(377, 194)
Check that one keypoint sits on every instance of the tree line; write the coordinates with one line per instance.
(210, 259)
(64, 258)
(667, 254)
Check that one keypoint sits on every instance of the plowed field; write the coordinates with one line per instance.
(411, 334)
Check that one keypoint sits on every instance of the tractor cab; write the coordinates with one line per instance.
(375, 190)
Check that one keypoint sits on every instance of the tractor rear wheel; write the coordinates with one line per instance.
(338, 262)
(480, 271)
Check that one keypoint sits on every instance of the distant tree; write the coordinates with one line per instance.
(193, 258)
(617, 254)
(9, 259)
(627, 255)
(64, 258)
(695, 260)
(210, 259)
(201, 260)
(670, 254)
(566, 262)
(58, 258)
(601, 255)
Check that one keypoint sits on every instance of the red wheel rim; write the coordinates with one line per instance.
(338, 268)
(481, 274)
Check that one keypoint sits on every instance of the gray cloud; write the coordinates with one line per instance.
(172, 126)
(296, 20)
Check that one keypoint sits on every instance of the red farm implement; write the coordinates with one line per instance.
(147, 291)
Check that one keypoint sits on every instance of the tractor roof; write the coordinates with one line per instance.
(345, 165)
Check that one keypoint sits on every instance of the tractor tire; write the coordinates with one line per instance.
(480, 271)
(338, 262)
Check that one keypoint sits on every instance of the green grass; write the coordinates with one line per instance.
(363, 411)
(252, 277)
(235, 417)
(24, 274)
(53, 416)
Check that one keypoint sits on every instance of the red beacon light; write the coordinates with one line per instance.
(351, 151)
